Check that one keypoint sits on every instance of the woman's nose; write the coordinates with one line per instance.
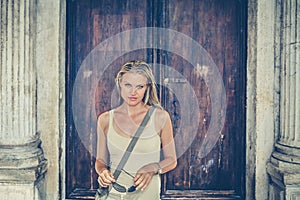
(132, 90)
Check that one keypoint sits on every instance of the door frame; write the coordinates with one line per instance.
(255, 69)
(78, 185)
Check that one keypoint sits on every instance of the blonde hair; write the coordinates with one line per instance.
(140, 67)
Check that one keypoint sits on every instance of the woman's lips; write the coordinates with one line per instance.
(132, 98)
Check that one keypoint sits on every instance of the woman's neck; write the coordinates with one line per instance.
(134, 110)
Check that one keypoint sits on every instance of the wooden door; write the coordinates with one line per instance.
(219, 27)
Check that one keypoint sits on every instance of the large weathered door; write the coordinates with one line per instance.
(184, 88)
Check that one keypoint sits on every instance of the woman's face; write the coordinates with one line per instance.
(133, 87)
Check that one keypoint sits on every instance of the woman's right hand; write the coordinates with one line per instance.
(105, 178)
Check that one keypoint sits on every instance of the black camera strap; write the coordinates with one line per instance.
(133, 143)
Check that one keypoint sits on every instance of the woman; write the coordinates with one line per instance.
(137, 90)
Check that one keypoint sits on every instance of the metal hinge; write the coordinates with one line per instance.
(174, 80)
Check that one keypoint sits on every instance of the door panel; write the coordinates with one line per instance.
(219, 26)
(89, 23)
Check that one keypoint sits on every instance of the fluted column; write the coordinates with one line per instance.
(290, 99)
(22, 163)
(284, 168)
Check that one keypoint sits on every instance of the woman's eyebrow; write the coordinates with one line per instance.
(127, 82)
(138, 84)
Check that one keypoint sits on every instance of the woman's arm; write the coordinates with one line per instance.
(168, 146)
(101, 165)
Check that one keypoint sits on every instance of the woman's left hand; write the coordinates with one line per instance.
(144, 176)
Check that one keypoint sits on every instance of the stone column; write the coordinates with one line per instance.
(22, 162)
(284, 166)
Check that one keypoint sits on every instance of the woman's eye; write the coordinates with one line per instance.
(127, 85)
(139, 86)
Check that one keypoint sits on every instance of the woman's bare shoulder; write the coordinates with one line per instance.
(103, 120)
(161, 117)
(161, 113)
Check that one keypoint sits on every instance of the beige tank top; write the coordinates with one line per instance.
(146, 150)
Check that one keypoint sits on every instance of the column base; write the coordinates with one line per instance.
(284, 172)
(22, 171)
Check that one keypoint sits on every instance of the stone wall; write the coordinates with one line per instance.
(50, 53)
(261, 116)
